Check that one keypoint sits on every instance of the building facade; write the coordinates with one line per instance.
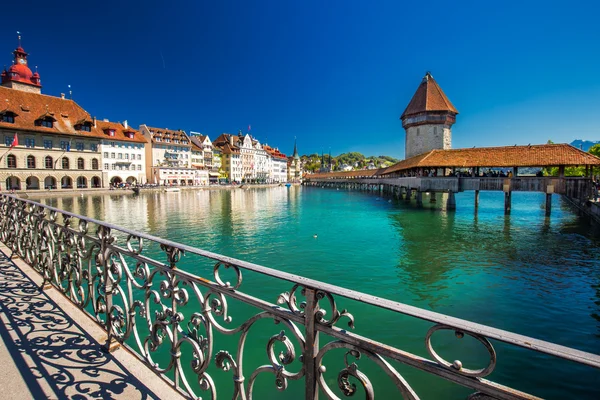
(293, 165)
(231, 159)
(428, 119)
(123, 152)
(47, 142)
(168, 157)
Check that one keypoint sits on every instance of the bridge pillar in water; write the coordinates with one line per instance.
(408, 194)
(451, 201)
(548, 204)
(507, 201)
(476, 198)
(419, 198)
(432, 198)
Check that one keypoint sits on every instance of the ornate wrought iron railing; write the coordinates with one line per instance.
(173, 320)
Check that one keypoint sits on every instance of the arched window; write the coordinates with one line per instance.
(94, 163)
(11, 161)
(30, 161)
(80, 163)
(65, 163)
(48, 162)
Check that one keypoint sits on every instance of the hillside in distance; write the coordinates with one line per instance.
(346, 161)
(583, 144)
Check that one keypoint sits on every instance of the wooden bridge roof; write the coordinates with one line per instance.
(362, 173)
(542, 155)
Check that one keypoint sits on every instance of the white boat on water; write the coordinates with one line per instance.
(172, 190)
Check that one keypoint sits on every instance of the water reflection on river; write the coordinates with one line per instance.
(525, 273)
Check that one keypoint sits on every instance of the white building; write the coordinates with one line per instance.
(123, 153)
(278, 165)
(168, 159)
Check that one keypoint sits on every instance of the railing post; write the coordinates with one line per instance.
(312, 345)
(111, 343)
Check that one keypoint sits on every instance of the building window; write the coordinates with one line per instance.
(30, 162)
(8, 117)
(113, 166)
(94, 163)
(11, 161)
(126, 156)
(29, 142)
(120, 156)
(93, 147)
(47, 123)
(112, 155)
(79, 146)
(106, 154)
(65, 163)
(8, 140)
(64, 145)
(139, 156)
(80, 163)
(139, 167)
(105, 166)
(48, 162)
(47, 144)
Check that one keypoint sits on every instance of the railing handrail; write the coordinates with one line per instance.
(480, 329)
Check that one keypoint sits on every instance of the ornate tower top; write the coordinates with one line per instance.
(429, 105)
(19, 76)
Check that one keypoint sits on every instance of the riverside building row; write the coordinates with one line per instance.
(49, 142)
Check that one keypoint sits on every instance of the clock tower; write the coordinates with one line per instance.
(19, 76)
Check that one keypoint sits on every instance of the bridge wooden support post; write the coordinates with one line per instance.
(507, 201)
(408, 194)
(548, 204)
(432, 198)
(476, 198)
(419, 198)
(451, 201)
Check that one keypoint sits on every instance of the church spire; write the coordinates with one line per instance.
(295, 149)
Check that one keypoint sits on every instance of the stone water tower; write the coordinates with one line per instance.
(428, 119)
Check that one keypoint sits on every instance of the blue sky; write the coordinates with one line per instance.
(335, 74)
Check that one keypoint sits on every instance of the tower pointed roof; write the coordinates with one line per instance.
(295, 155)
(428, 97)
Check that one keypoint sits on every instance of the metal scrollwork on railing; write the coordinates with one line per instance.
(290, 298)
(351, 373)
(160, 311)
(457, 364)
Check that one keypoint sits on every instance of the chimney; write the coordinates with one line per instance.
(62, 96)
(105, 120)
(125, 124)
(231, 140)
(94, 119)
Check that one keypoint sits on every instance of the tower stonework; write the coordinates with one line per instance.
(428, 119)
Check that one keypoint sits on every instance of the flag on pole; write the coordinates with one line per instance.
(69, 145)
(249, 127)
(15, 141)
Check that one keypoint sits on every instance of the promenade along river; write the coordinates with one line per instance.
(524, 273)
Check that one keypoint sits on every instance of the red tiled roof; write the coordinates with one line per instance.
(541, 155)
(120, 132)
(33, 105)
(428, 97)
(170, 134)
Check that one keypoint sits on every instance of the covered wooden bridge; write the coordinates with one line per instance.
(486, 168)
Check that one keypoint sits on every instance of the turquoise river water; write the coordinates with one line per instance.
(524, 273)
